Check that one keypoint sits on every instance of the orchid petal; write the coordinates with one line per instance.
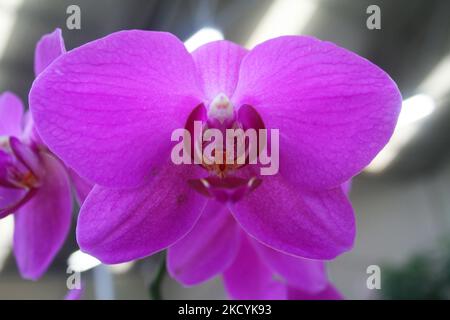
(108, 108)
(119, 225)
(42, 223)
(304, 274)
(49, 47)
(308, 224)
(11, 112)
(218, 65)
(334, 110)
(249, 278)
(208, 249)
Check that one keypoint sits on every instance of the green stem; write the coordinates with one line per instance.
(156, 285)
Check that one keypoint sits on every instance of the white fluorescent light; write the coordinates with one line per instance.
(382, 160)
(284, 17)
(121, 268)
(435, 86)
(203, 36)
(437, 83)
(80, 261)
(6, 238)
(414, 109)
(8, 15)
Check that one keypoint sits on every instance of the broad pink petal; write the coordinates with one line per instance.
(309, 224)
(334, 110)
(218, 64)
(42, 224)
(11, 112)
(108, 108)
(118, 225)
(303, 274)
(249, 278)
(49, 47)
(329, 293)
(208, 249)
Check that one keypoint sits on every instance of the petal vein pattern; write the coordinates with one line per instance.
(107, 108)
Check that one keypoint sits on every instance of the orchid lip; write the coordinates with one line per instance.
(222, 183)
(15, 175)
(228, 189)
(222, 116)
(19, 166)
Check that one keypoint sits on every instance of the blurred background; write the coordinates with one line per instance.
(402, 200)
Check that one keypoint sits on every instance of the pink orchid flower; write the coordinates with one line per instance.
(34, 184)
(108, 109)
(261, 273)
(251, 270)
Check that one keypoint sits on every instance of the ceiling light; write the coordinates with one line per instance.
(203, 36)
(437, 83)
(121, 268)
(284, 17)
(8, 15)
(6, 238)
(413, 111)
(80, 261)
